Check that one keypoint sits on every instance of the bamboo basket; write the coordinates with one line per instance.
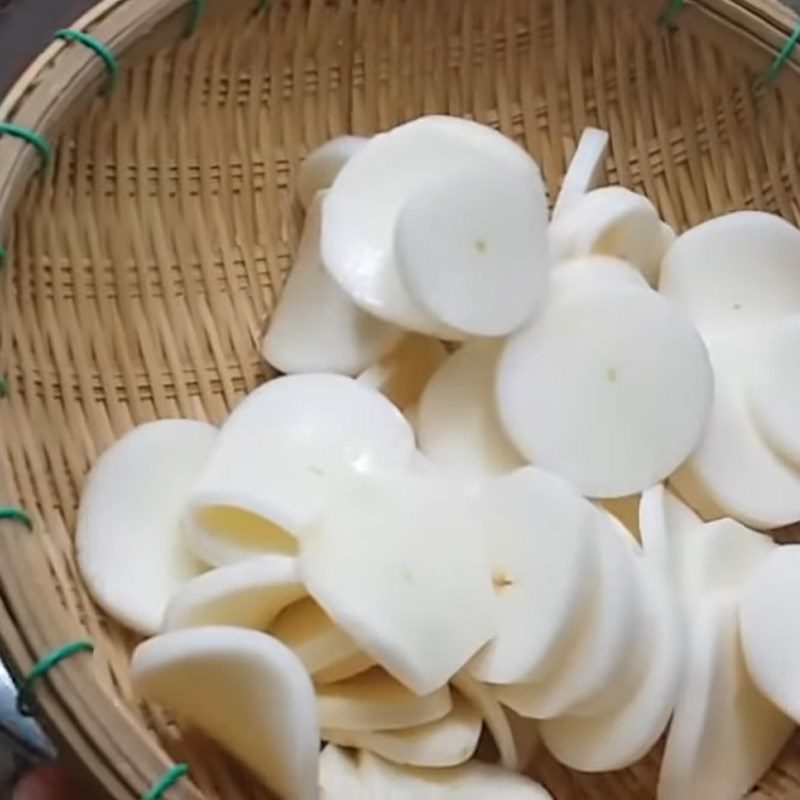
(144, 262)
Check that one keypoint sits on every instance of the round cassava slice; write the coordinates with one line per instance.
(338, 774)
(597, 270)
(773, 387)
(456, 421)
(471, 246)
(495, 717)
(541, 557)
(247, 595)
(289, 446)
(361, 209)
(735, 272)
(321, 166)
(612, 221)
(447, 742)
(733, 471)
(403, 374)
(374, 701)
(767, 614)
(626, 730)
(128, 539)
(724, 734)
(397, 560)
(586, 170)
(598, 646)
(471, 781)
(261, 709)
(316, 327)
(315, 639)
(610, 388)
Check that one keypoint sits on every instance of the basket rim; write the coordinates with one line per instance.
(78, 709)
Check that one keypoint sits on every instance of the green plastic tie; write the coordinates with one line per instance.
(264, 5)
(43, 147)
(105, 54)
(668, 17)
(43, 666)
(16, 515)
(3, 387)
(780, 60)
(3, 256)
(198, 7)
(166, 781)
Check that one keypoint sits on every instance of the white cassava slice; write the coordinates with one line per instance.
(586, 170)
(360, 211)
(446, 742)
(629, 727)
(474, 780)
(737, 271)
(598, 646)
(320, 644)
(403, 373)
(247, 595)
(456, 421)
(724, 734)
(768, 618)
(316, 327)
(610, 388)
(291, 443)
(471, 246)
(539, 537)
(733, 471)
(594, 269)
(245, 690)
(321, 166)
(374, 701)
(338, 774)
(129, 544)
(398, 562)
(773, 387)
(612, 221)
(495, 717)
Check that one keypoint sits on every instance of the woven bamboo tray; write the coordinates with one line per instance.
(144, 261)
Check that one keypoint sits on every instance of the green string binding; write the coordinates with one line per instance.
(3, 387)
(9, 513)
(3, 256)
(166, 781)
(107, 57)
(780, 60)
(43, 666)
(668, 17)
(43, 147)
(198, 7)
(264, 5)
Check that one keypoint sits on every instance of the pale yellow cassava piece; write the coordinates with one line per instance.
(149, 228)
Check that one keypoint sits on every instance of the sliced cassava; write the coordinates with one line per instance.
(586, 170)
(456, 420)
(404, 372)
(738, 271)
(129, 543)
(249, 594)
(610, 387)
(289, 446)
(541, 557)
(724, 734)
(374, 701)
(397, 560)
(596, 269)
(321, 166)
(612, 221)
(626, 730)
(338, 774)
(770, 639)
(446, 742)
(316, 327)
(321, 645)
(598, 646)
(245, 690)
(471, 246)
(361, 209)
